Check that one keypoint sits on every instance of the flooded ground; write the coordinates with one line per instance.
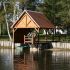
(34, 60)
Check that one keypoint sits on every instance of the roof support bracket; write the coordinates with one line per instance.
(37, 29)
(15, 29)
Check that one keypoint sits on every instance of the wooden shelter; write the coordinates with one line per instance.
(28, 21)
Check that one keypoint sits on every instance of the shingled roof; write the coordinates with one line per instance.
(38, 17)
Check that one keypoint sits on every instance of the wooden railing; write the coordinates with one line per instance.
(28, 39)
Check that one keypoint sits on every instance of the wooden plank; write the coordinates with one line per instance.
(37, 29)
(32, 39)
(28, 39)
(15, 29)
(28, 22)
(32, 19)
(24, 39)
(13, 39)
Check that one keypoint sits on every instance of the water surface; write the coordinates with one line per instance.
(22, 59)
(42, 60)
(6, 59)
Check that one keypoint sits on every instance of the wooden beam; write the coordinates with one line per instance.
(28, 23)
(32, 39)
(26, 20)
(46, 34)
(37, 29)
(38, 35)
(32, 19)
(13, 39)
(17, 22)
(28, 39)
(24, 39)
(15, 29)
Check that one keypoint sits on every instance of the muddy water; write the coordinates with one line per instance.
(34, 60)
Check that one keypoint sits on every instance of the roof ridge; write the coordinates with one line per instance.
(34, 11)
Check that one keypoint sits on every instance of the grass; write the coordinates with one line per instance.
(4, 38)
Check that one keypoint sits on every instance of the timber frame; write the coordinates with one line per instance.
(27, 22)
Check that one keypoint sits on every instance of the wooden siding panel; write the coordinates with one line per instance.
(26, 22)
(32, 25)
(28, 19)
(21, 23)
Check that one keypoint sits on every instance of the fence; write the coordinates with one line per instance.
(61, 45)
(54, 44)
(6, 43)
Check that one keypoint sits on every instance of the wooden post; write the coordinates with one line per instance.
(24, 39)
(46, 35)
(32, 39)
(53, 34)
(13, 39)
(38, 36)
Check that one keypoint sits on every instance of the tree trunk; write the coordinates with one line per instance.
(14, 14)
(7, 22)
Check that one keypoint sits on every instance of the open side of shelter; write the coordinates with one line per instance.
(26, 29)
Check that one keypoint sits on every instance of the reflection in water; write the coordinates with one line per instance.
(61, 60)
(34, 60)
(42, 60)
(6, 59)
